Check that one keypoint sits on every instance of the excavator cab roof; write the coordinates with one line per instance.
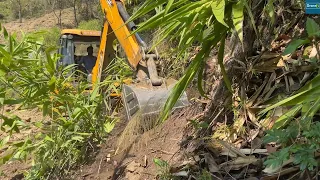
(79, 35)
(80, 32)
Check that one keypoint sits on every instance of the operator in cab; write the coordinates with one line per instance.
(88, 61)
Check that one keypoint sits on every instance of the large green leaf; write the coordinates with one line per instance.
(5, 57)
(312, 27)
(168, 6)
(187, 78)
(295, 99)
(294, 44)
(183, 83)
(11, 101)
(218, 7)
(7, 155)
(315, 82)
(313, 108)
(146, 8)
(159, 19)
(307, 93)
(4, 141)
(109, 126)
(269, 8)
(12, 123)
(151, 5)
(220, 61)
(237, 12)
(287, 117)
(11, 44)
(51, 66)
(200, 80)
(5, 33)
(252, 20)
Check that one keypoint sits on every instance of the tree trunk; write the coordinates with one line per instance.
(87, 11)
(60, 17)
(75, 12)
(20, 11)
(55, 4)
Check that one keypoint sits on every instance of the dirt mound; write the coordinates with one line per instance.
(136, 162)
(44, 22)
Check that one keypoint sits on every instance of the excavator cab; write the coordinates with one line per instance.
(73, 45)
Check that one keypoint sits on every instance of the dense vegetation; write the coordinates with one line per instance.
(72, 118)
(256, 94)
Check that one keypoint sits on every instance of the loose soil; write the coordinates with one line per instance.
(136, 162)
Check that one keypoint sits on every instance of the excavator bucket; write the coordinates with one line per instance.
(149, 100)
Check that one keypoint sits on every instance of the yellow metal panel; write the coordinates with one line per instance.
(97, 69)
(128, 42)
(81, 32)
(115, 95)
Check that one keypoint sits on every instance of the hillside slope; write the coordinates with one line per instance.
(45, 22)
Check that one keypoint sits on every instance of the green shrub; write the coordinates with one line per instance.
(298, 130)
(51, 37)
(94, 24)
(5, 10)
(76, 118)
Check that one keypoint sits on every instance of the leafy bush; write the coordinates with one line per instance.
(5, 9)
(51, 37)
(29, 8)
(163, 169)
(94, 24)
(299, 143)
(77, 117)
(297, 130)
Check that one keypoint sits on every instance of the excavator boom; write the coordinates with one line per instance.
(148, 92)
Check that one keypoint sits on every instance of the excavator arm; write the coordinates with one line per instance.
(133, 45)
(150, 92)
(114, 28)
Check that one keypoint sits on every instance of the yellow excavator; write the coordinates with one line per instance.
(147, 93)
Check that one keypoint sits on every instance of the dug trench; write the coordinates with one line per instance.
(130, 154)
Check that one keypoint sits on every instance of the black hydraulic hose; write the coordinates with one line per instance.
(131, 25)
(125, 16)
